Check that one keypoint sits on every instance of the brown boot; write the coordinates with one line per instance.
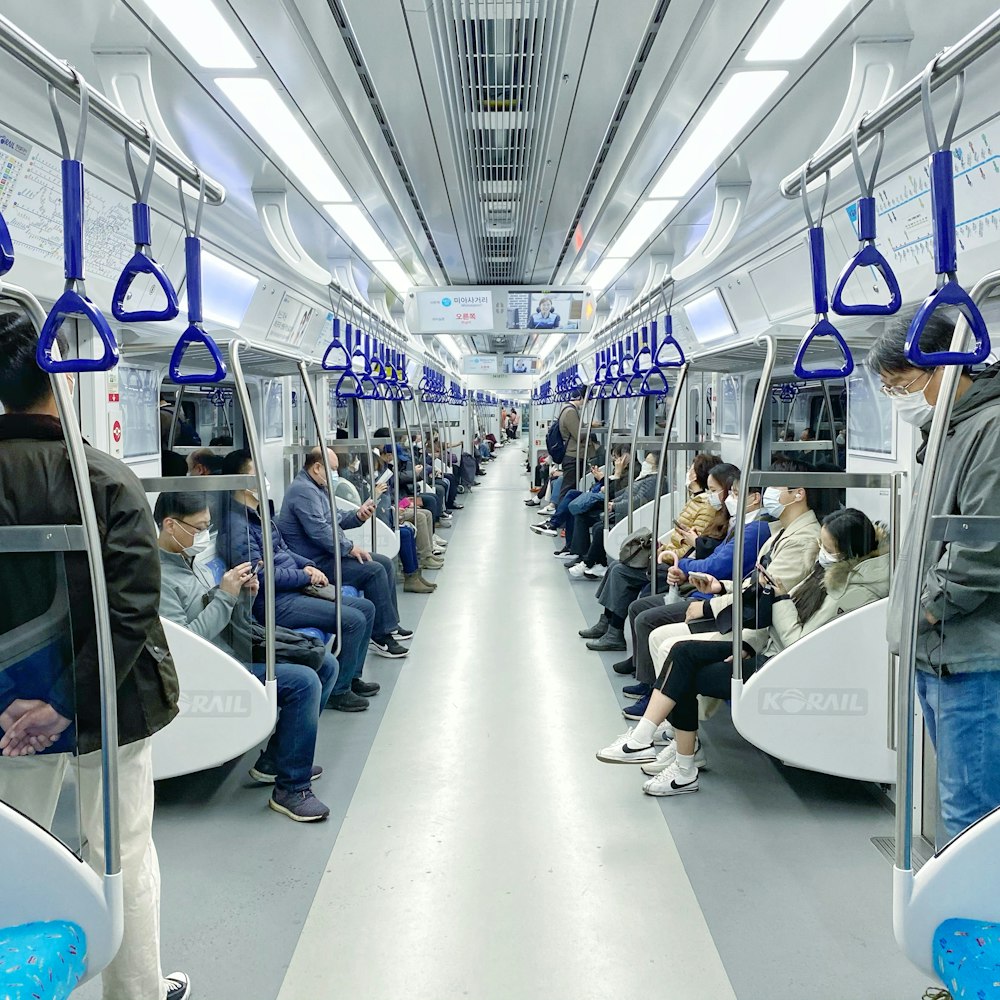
(426, 582)
(414, 583)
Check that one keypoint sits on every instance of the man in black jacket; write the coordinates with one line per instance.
(37, 487)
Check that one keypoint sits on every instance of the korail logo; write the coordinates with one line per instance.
(215, 704)
(812, 701)
(446, 302)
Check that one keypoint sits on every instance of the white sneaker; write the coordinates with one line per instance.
(577, 570)
(668, 755)
(550, 509)
(618, 753)
(439, 542)
(595, 572)
(664, 734)
(670, 782)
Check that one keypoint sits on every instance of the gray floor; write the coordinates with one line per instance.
(476, 848)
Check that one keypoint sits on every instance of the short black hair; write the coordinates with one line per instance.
(173, 464)
(703, 464)
(853, 532)
(725, 474)
(578, 392)
(236, 462)
(820, 500)
(888, 353)
(23, 385)
(179, 506)
(222, 441)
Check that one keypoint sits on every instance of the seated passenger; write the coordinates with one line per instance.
(852, 570)
(307, 524)
(622, 584)
(649, 613)
(562, 516)
(286, 762)
(241, 540)
(204, 462)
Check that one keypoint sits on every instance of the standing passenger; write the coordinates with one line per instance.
(38, 488)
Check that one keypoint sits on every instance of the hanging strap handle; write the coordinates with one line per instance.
(817, 262)
(195, 333)
(73, 303)
(142, 261)
(336, 358)
(868, 254)
(948, 293)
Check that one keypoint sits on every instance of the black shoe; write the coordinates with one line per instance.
(347, 702)
(402, 633)
(178, 986)
(624, 667)
(595, 631)
(456, 506)
(386, 646)
(367, 689)
(612, 641)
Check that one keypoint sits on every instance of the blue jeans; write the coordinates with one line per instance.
(431, 503)
(358, 614)
(962, 714)
(555, 487)
(408, 549)
(586, 501)
(302, 693)
(377, 581)
(559, 518)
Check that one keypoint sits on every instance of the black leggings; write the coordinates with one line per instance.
(646, 614)
(693, 668)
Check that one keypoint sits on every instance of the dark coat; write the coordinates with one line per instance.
(36, 487)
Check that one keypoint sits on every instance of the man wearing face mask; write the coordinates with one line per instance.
(38, 488)
(958, 669)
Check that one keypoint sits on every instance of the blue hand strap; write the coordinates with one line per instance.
(660, 358)
(6, 248)
(195, 335)
(949, 293)
(823, 328)
(73, 303)
(142, 262)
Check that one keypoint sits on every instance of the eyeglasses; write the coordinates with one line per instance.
(193, 528)
(902, 390)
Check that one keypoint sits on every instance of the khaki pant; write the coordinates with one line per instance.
(421, 518)
(32, 785)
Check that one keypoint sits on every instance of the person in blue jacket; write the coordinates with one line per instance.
(241, 540)
(648, 613)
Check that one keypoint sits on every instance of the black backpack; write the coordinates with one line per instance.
(554, 443)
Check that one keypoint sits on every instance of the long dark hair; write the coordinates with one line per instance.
(856, 538)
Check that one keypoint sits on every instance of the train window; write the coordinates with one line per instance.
(731, 406)
(274, 410)
(139, 389)
(871, 423)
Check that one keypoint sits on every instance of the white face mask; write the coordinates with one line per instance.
(731, 504)
(355, 465)
(772, 502)
(715, 501)
(647, 469)
(912, 408)
(826, 559)
(200, 541)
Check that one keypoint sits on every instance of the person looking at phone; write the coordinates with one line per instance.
(184, 522)
(306, 521)
(850, 571)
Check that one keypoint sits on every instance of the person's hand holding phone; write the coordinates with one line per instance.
(766, 580)
(705, 583)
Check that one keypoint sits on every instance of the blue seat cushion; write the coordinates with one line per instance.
(42, 960)
(967, 958)
(315, 633)
(350, 591)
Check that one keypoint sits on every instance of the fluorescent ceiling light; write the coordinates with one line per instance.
(203, 31)
(606, 271)
(552, 341)
(261, 105)
(794, 30)
(353, 224)
(450, 345)
(738, 101)
(394, 275)
(651, 215)
(226, 291)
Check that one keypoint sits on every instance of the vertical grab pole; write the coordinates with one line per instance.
(608, 464)
(739, 535)
(418, 411)
(172, 433)
(113, 892)
(662, 470)
(390, 423)
(581, 458)
(264, 510)
(632, 447)
(833, 426)
(331, 494)
(895, 521)
(371, 465)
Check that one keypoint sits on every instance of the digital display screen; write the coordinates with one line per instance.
(709, 317)
(518, 364)
(454, 311)
(541, 310)
(480, 364)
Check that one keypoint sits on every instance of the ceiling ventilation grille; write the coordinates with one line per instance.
(499, 63)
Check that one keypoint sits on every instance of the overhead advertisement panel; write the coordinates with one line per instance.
(452, 311)
(481, 364)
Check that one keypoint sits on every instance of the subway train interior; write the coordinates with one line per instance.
(439, 436)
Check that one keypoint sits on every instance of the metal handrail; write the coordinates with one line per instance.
(919, 534)
(102, 611)
(953, 61)
(197, 484)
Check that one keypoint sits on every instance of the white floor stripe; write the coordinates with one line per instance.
(486, 852)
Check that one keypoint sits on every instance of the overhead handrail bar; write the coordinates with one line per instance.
(821, 300)
(948, 291)
(868, 254)
(957, 58)
(143, 262)
(113, 889)
(58, 74)
(195, 332)
(74, 303)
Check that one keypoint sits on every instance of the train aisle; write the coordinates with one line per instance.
(485, 853)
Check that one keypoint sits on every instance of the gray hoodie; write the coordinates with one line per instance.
(190, 602)
(961, 583)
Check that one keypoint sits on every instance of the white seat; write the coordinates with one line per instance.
(641, 518)
(822, 703)
(224, 709)
(388, 543)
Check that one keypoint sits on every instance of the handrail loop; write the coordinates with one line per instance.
(948, 291)
(142, 261)
(74, 301)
